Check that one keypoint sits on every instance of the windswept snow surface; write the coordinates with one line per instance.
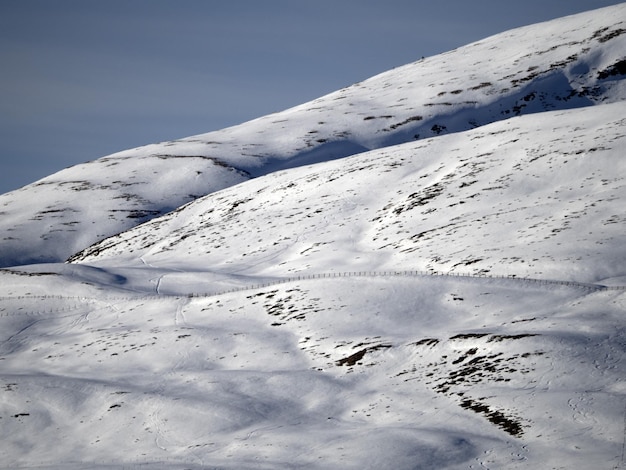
(533, 196)
(390, 371)
(425, 270)
(577, 61)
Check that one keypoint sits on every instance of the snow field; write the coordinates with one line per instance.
(269, 295)
(236, 380)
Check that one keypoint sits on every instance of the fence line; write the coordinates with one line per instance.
(406, 274)
(304, 277)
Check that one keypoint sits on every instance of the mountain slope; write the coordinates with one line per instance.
(566, 63)
(450, 301)
(533, 196)
(394, 371)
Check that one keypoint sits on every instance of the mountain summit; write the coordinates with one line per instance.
(422, 270)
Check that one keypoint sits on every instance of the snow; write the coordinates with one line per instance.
(548, 66)
(320, 288)
(510, 198)
(254, 379)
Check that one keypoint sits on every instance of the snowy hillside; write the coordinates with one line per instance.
(425, 270)
(533, 196)
(566, 63)
(399, 371)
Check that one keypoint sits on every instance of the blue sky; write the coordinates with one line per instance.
(84, 78)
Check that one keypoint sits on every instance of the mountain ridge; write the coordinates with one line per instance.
(570, 62)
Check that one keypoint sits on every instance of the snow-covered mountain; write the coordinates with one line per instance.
(534, 196)
(572, 62)
(423, 270)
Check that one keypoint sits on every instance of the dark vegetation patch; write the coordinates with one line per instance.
(54, 211)
(498, 338)
(420, 198)
(357, 356)
(469, 352)
(481, 85)
(142, 214)
(510, 425)
(426, 342)
(406, 121)
(527, 78)
(604, 35)
(237, 203)
(475, 370)
(203, 157)
(78, 185)
(287, 306)
(455, 374)
(524, 320)
(468, 262)
(564, 62)
(420, 235)
(368, 118)
(618, 68)
(438, 128)
(469, 336)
